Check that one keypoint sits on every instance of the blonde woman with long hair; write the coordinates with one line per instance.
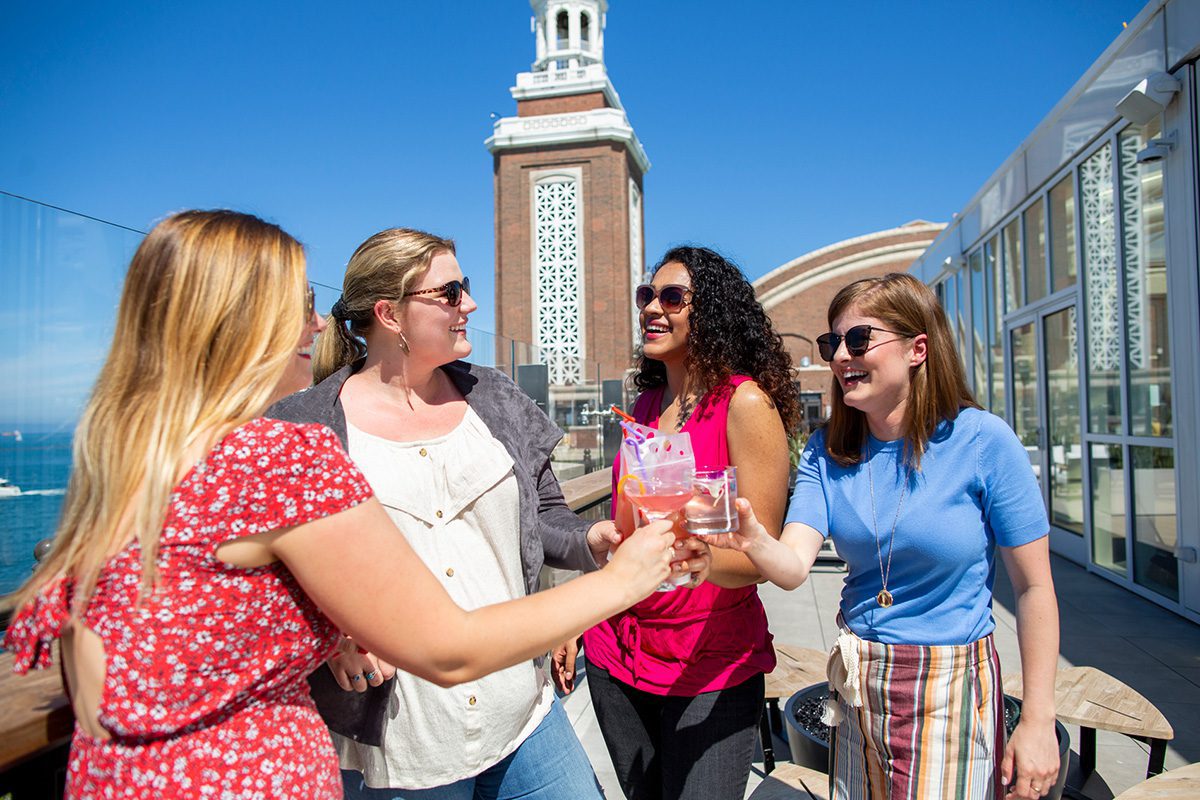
(460, 458)
(919, 489)
(208, 558)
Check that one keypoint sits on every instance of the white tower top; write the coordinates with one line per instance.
(570, 61)
(569, 33)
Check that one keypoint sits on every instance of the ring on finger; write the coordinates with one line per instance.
(356, 678)
(370, 675)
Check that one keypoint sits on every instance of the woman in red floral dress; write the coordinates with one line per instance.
(208, 558)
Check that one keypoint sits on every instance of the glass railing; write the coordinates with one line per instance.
(60, 280)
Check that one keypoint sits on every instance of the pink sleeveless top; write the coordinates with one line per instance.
(687, 642)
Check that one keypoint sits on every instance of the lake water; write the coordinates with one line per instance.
(40, 465)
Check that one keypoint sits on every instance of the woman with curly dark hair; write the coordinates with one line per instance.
(677, 681)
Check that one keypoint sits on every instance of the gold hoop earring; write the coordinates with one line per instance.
(403, 342)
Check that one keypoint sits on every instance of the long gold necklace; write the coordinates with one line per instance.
(884, 598)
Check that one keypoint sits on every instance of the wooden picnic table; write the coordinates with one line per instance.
(1181, 783)
(34, 713)
(796, 668)
(1095, 700)
(793, 782)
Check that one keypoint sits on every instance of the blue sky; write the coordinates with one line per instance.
(774, 128)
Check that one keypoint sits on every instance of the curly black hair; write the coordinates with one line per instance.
(730, 334)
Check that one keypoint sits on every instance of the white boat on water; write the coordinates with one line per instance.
(7, 489)
(16, 435)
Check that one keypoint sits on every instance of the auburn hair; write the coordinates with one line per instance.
(937, 388)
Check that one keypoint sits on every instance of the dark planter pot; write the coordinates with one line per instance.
(808, 737)
(1012, 715)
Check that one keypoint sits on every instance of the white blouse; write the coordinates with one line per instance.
(455, 500)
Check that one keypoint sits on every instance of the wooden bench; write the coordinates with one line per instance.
(793, 782)
(35, 712)
(1182, 783)
(1095, 700)
(796, 668)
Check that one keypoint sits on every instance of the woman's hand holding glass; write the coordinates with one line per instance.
(749, 536)
(785, 561)
(643, 561)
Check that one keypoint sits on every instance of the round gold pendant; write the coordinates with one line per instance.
(884, 598)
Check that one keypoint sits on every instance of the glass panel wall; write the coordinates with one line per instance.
(1014, 270)
(979, 332)
(1035, 248)
(59, 289)
(1108, 507)
(996, 311)
(1101, 284)
(1154, 528)
(1148, 347)
(1026, 416)
(1062, 420)
(1062, 234)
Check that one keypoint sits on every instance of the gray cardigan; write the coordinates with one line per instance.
(550, 532)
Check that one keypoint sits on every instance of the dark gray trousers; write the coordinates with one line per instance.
(678, 748)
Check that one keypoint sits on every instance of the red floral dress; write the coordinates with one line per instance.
(205, 693)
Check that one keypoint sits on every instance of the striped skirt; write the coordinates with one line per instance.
(930, 723)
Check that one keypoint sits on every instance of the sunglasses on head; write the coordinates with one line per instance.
(671, 297)
(857, 339)
(452, 291)
(310, 302)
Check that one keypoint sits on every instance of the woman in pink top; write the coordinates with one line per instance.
(677, 681)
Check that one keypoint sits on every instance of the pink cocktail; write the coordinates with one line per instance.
(661, 501)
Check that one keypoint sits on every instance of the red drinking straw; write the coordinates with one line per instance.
(621, 414)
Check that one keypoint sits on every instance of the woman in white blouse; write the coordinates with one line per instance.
(460, 458)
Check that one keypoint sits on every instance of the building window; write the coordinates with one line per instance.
(1148, 346)
(636, 267)
(1014, 270)
(558, 266)
(996, 310)
(1062, 235)
(585, 24)
(562, 30)
(979, 335)
(1035, 251)
(1100, 288)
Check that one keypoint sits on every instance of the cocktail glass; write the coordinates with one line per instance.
(661, 500)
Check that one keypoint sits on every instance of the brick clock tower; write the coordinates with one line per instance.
(568, 178)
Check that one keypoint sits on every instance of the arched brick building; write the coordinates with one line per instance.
(797, 294)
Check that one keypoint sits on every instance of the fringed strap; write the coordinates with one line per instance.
(36, 625)
(842, 670)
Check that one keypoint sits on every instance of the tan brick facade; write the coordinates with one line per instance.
(606, 170)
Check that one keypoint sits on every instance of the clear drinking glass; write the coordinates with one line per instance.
(711, 509)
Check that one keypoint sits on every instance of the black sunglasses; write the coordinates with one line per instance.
(310, 302)
(452, 291)
(857, 339)
(671, 297)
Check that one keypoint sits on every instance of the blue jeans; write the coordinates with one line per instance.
(550, 765)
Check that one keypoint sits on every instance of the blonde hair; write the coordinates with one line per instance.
(383, 267)
(210, 313)
(937, 388)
